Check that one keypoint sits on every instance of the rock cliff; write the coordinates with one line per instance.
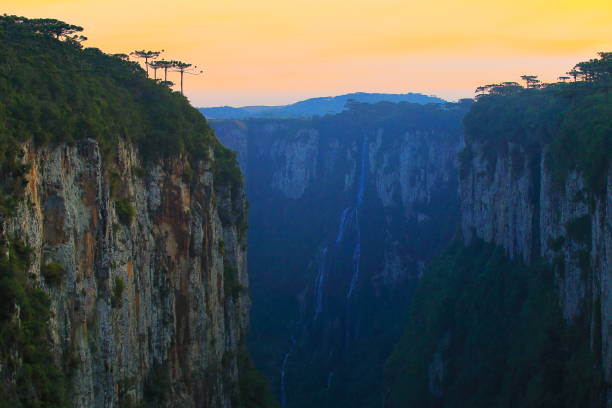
(123, 277)
(145, 309)
(511, 199)
(516, 311)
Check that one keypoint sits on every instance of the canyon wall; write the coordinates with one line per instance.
(345, 211)
(151, 303)
(511, 199)
(517, 311)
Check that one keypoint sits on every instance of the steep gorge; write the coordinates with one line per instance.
(514, 312)
(345, 211)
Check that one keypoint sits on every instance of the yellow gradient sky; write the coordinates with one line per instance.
(279, 51)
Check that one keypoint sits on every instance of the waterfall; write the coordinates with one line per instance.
(320, 282)
(283, 384)
(358, 201)
(322, 270)
(362, 173)
(356, 260)
(343, 223)
(349, 218)
(361, 181)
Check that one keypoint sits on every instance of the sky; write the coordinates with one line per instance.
(281, 51)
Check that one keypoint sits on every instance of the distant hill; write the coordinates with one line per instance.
(314, 106)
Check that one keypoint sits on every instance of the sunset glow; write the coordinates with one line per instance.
(273, 52)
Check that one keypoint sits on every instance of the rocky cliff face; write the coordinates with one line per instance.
(345, 212)
(510, 199)
(152, 305)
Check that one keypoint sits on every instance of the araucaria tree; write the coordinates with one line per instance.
(184, 68)
(162, 64)
(155, 66)
(146, 55)
(531, 80)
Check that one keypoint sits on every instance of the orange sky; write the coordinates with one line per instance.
(279, 51)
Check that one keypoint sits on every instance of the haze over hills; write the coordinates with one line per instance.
(315, 106)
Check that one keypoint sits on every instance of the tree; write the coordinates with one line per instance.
(574, 73)
(531, 80)
(155, 66)
(595, 69)
(564, 78)
(184, 68)
(505, 88)
(56, 28)
(46, 26)
(123, 57)
(146, 55)
(162, 64)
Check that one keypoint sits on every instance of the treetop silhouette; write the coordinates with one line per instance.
(146, 55)
(185, 68)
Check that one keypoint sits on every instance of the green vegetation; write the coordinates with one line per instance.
(557, 243)
(500, 338)
(231, 283)
(225, 167)
(54, 90)
(157, 386)
(53, 273)
(571, 118)
(25, 349)
(125, 211)
(139, 172)
(579, 229)
(188, 173)
(254, 390)
(117, 293)
(221, 247)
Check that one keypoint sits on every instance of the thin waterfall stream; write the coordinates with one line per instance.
(349, 217)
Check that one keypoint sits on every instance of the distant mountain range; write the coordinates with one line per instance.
(314, 106)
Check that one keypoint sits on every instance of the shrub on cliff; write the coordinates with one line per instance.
(25, 350)
(254, 389)
(117, 293)
(53, 273)
(125, 211)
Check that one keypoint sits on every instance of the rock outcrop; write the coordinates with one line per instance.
(153, 304)
(510, 199)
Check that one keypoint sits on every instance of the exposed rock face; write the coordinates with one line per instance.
(144, 299)
(300, 163)
(343, 217)
(510, 199)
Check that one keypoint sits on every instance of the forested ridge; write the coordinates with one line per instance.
(571, 117)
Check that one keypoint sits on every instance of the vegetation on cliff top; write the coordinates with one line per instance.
(54, 90)
(572, 118)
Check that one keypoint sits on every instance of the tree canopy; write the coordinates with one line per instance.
(572, 118)
(54, 90)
